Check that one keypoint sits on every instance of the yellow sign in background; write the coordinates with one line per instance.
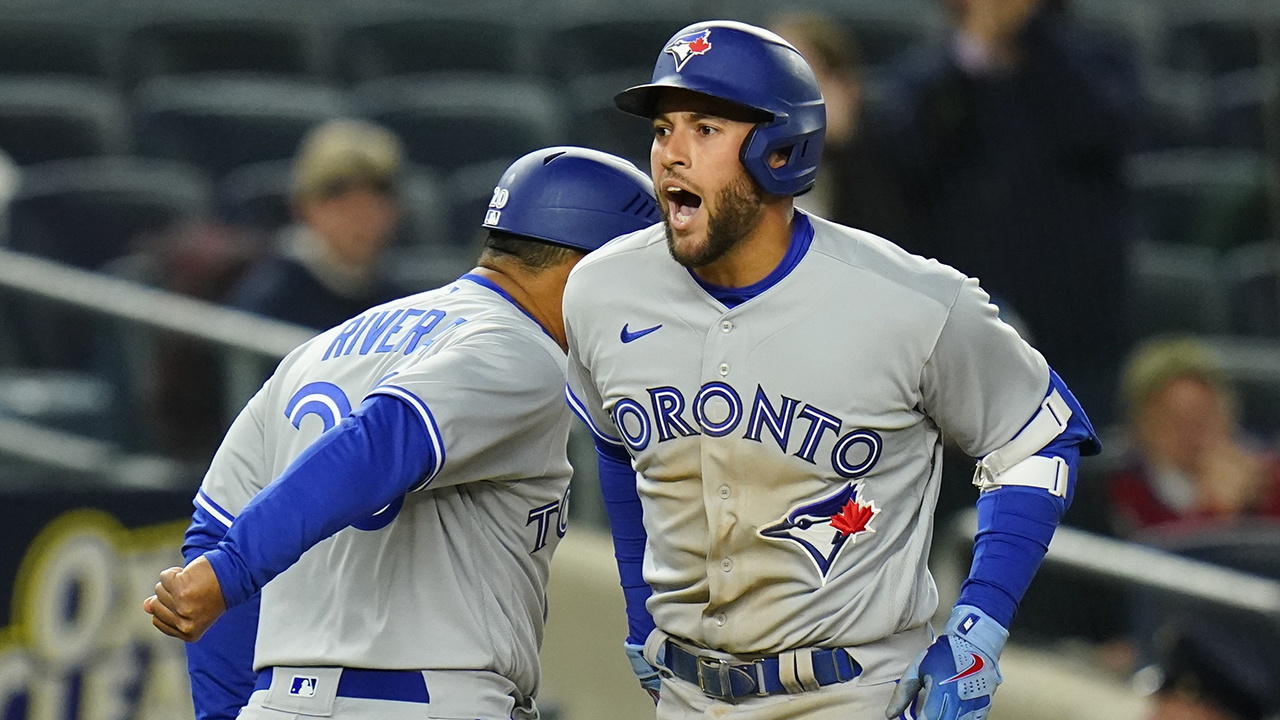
(78, 646)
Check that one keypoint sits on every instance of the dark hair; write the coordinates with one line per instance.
(530, 253)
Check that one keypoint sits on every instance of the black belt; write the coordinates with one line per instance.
(730, 680)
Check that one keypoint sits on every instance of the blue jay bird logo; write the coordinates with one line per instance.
(825, 526)
(686, 47)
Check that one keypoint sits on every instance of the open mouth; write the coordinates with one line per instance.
(682, 204)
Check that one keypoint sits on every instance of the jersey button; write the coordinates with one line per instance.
(726, 326)
(726, 564)
(725, 492)
(724, 369)
(720, 619)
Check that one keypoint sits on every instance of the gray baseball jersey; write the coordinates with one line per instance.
(455, 576)
(788, 451)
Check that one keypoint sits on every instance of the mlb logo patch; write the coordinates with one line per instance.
(303, 686)
(688, 46)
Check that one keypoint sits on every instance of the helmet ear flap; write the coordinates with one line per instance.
(796, 175)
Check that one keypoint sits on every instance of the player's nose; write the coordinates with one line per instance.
(671, 151)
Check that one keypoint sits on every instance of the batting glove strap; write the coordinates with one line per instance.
(645, 673)
(977, 629)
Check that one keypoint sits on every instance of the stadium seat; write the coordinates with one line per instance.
(609, 44)
(883, 29)
(1213, 46)
(1238, 111)
(258, 196)
(1201, 196)
(450, 120)
(86, 212)
(1175, 288)
(191, 45)
(601, 125)
(1175, 112)
(51, 48)
(1252, 277)
(413, 44)
(469, 190)
(43, 118)
(220, 123)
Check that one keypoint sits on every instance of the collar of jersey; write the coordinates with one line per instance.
(731, 297)
(486, 282)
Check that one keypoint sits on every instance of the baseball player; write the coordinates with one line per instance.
(394, 493)
(769, 392)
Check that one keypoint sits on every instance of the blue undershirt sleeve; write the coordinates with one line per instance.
(221, 662)
(626, 523)
(1015, 524)
(351, 472)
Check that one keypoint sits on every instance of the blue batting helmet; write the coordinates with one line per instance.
(572, 196)
(755, 68)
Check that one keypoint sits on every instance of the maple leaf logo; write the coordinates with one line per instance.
(699, 45)
(853, 518)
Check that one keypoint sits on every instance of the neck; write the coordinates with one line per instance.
(539, 294)
(758, 252)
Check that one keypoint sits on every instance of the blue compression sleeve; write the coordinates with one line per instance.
(1015, 524)
(221, 662)
(352, 471)
(626, 522)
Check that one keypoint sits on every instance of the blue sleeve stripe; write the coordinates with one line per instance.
(581, 411)
(213, 508)
(428, 422)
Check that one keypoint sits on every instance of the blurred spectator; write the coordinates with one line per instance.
(175, 383)
(1190, 464)
(1211, 672)
(325, 268)
(1010, 142)
(853, 187)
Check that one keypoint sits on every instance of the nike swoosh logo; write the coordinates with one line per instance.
(628, 336)
(974, 669)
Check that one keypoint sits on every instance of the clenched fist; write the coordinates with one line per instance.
(187, 600)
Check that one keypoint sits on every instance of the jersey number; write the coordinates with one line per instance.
(329, 403)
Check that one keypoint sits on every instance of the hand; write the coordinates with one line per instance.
(1230, 478)
(957, 675)
(645, 673)
(187, 600)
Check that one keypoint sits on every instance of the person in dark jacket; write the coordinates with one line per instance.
(854, 187)
(325, 268)
(1010, 142)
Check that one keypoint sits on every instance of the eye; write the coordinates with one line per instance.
(705, 130)
(661, 131)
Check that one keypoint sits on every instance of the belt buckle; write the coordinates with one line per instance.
(719, 669)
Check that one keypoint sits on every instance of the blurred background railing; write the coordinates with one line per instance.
(171, 176)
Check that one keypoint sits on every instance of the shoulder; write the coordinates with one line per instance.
(516, 354)
(871, 255)
(615, 256)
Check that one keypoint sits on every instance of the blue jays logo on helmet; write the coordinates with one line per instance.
(825, 526)
(683, 48)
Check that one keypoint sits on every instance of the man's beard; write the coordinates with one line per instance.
(739, 207)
